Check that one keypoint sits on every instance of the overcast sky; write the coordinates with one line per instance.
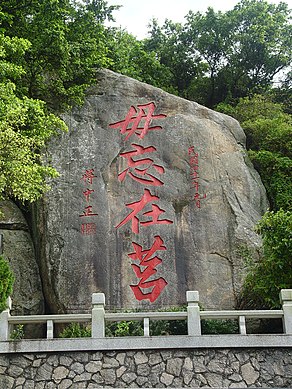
(134, 15)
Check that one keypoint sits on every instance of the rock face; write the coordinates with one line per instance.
(156, 196)
(18, 249)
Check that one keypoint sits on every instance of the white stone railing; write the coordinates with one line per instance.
(193, 315)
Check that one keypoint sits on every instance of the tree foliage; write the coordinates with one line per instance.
(216, 56)
(269, 140)
(272, 273)
(25, 126)
(67, 45)
(6, 282)
(131, 58)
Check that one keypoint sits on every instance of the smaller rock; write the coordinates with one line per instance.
(121, 370)
(110, 363)
(93, 366)
(82, 377)
(65, 384)
(174, 366)
(129, 377)
(249, 374)
(143, 370)
(60, 373)
(109, 376)
(77, 367)
(140, 358)
(154, 359)
(166, 379)
(121, 358)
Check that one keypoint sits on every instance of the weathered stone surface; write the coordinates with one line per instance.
(60, 373)
(18, 249)
(166, 379)
(249, 374)
(122, 376)
(85, 250)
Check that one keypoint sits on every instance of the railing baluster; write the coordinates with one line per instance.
(286, 301)
(5, 327)
(194, 321)
(50, 329)
(146, 326)
(97, 321)
(242, 326)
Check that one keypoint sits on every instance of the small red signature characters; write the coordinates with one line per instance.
(88, 176)
(148, 260)
(132, 123)
(194, 174)
(90, 227)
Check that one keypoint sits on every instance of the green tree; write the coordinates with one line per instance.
(129, 57)
(269, 141)
(25, 126)
(6, 282)
(68, 43)
(272, 272)
(166, 43)
(218, 56)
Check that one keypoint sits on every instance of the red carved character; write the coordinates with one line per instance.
(88, 228)
(88, 176)
(87, 194)
(88, 212)
(198, 199)
(148, 260)
(139, 173)
(138, 121)
(138, 206)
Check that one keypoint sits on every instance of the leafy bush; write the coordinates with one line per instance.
(214, 327)
(124, 328)
(6, 282)
(75, 330)
(18, 332)
(272, 272)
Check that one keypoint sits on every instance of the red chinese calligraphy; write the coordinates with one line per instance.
(149, 261)
(139, 173)
(194, 168)
(138, 206)
(88, 212)
(198, 199)
(87, 194)
(88, 176)
(88, 228)
(138, 122)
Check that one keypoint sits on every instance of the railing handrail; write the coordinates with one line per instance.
(60, 318)
(249, 314)
(167, 315)
(193, 315)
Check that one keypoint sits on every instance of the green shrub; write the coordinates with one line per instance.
(76, 330)
(272, 272)
(214, 327)
(6, 283)
(18, 332)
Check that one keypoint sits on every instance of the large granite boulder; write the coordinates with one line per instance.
(17, 247)
(156, 196)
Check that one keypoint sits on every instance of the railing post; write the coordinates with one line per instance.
(242, 325)
(97, 321)
(4, 324)
(286, 301)
(194, 322)
(50, 329)
(146, 326)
